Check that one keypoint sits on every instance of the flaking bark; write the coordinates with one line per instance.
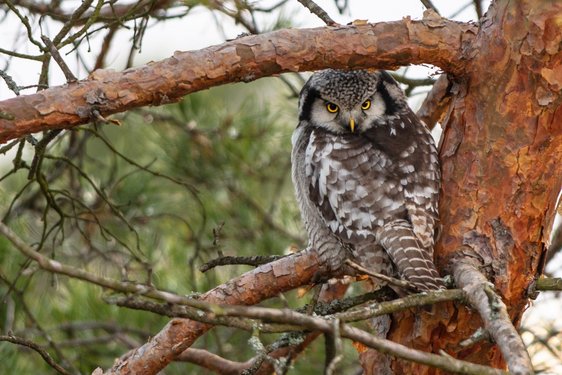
(500, 152)
(179, 334)
(382, 45)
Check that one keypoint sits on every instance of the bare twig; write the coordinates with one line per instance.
(42, 352)
(40, 148)
(25, 21)
(12, 85)
(63, 269)
(481, 295)
(255, 260)
(479, 335)
(110, 13)
(333, 348)
(321, 309)
(391, 280)
(416, 82)
(555, 245)
(213, 362)
(59, 60)
(429, 5)
(318, 11)
(478, 8)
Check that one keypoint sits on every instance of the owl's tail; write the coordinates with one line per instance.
(412, 261)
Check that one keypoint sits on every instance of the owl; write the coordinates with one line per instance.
(366, 176)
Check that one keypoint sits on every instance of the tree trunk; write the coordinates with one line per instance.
(500, 153)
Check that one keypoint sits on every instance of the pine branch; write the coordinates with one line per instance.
(380, 45)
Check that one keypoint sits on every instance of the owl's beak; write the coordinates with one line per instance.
(352, 124)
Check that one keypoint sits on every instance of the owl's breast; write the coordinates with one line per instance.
(354, 184)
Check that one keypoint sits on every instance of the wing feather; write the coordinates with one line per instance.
(360, 183)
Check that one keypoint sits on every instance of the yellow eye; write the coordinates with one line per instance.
(332, 108)
(366, 105)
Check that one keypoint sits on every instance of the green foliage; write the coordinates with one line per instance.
(149, 201)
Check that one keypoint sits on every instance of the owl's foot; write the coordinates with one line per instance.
(332, 264)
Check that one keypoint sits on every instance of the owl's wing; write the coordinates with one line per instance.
(421, 195)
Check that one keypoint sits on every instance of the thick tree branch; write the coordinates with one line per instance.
(436, 102)
(261, 283)
(382, 45)
(483, 297)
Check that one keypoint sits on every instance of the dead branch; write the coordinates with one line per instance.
(70, 78)
(42, 352)
(109, 13)
(389, 307)
(286, 316)
(213, 362)
(381, 45)
(481, 295)
(318, 11)
(255, 261)
(429, 5)
(390, 280)
(57, 267)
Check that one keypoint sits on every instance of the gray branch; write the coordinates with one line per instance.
(481, 295)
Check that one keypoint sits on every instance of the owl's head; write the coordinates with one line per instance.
(343, 101)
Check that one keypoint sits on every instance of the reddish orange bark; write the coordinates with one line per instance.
(501, 153)
(382, 45)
